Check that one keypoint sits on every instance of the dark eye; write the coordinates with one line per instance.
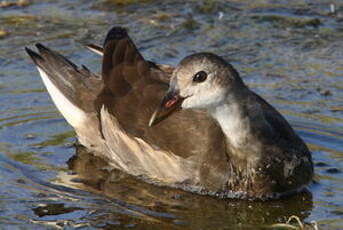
(200, 76)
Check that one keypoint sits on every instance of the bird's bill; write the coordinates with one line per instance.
(171, 102)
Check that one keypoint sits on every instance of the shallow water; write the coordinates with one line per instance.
(290, 52)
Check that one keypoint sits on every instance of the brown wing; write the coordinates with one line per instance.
(281, 129)
(283, 148)
(133, 89)
(162, 72)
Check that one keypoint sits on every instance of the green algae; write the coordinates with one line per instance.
(285, 21)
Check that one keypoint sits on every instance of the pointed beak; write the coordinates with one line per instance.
(170, 103)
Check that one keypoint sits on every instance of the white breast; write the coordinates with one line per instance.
(235, 127)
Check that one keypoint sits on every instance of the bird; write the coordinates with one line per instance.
(196, 127)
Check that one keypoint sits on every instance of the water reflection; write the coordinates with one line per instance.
(155, 207)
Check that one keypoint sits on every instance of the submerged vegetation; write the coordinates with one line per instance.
(294, 223)
(18, 3)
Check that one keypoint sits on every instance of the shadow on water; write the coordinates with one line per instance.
(116, 200)
(168, 208)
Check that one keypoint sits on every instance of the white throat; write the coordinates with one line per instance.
(235, 126)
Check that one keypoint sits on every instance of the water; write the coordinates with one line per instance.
(290, 52)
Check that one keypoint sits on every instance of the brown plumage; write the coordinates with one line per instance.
(186, 150)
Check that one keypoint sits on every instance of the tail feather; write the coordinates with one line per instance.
(74, 115)
(96, 49)
(72, 89)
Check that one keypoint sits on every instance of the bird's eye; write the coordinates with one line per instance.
(200, 76)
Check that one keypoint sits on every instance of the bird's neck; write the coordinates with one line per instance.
(240, 119)
(233, 121)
